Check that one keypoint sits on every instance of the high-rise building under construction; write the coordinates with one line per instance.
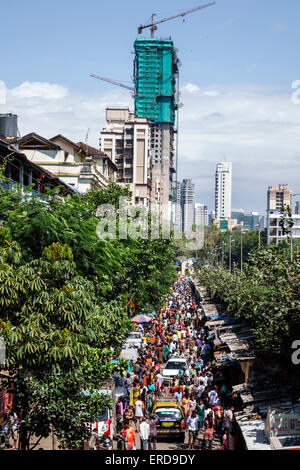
(155, 70)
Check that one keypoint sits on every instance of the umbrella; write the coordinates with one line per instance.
(141, 319)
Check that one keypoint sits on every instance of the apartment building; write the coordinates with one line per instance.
(126, 140)
(277, 197)
(223, 189)
(80, 167)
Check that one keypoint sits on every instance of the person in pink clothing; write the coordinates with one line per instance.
(209, 432)
(225, 440)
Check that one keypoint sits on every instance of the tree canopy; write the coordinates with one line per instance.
(63, 303)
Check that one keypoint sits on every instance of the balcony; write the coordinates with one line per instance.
(86, 168)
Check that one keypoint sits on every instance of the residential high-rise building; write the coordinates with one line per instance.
(187, 204)
(155, 69)
(201, 214)
(297, 207)
(278, 196)
(126, 140)
(223, 190)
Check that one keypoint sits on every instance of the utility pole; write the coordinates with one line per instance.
(230, 253)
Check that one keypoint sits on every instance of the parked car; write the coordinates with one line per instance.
(170, 420)
(172, 368)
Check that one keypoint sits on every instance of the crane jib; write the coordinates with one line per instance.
(153, 24)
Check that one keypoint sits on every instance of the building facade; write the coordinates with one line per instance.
(223, 189)
(69, 161)
(201, 214)
(251, 221)
(277, 197)
(176, 210)
(275, 231)
(187, 204)
(155, 70)
(19, 170)
(126, 140)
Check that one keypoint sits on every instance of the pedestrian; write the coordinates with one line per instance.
(209, 430)
(139, 413)
(200, 408)
(13, 424)
(178, 397)
(219, 414)
(105, 443)
(127, 385)
(149, 402)
(129, 414)
(225, 440)
(128, 434)
(192, 425)
(153, 432)
(144, 434)
(120, 442)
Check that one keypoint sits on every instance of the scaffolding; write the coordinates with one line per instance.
(155, 69)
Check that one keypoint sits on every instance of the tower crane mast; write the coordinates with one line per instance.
(153, 25)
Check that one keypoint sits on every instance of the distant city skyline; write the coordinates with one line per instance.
(237, 105)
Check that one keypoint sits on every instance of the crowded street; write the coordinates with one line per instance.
(175, 398)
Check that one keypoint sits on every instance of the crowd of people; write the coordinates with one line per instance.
(201, 389)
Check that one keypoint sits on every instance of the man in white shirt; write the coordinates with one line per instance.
(172, 347)
(178, 397)
(144, 434)
(193, 424)
(160, 379)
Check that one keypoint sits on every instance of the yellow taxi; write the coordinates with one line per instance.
(171, 419)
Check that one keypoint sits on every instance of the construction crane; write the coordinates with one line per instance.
(153, 26)
(112, 81)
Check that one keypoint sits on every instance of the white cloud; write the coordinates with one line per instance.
(257, 128)
(190, 88)
(46, 91)
(49, 109)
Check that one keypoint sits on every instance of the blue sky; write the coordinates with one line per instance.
(232, 42)
(243, 50)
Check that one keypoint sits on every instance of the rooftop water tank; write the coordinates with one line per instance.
(9, 126)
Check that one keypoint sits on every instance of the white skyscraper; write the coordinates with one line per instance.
(223, 190)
